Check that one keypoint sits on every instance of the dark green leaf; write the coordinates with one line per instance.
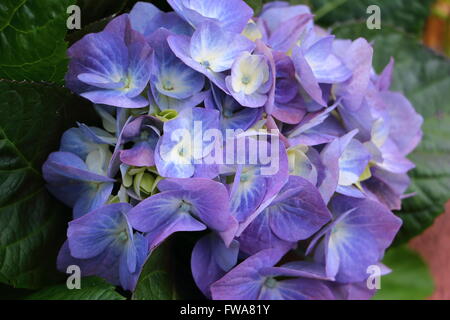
(167, 273)
(32, 224)
(430, 179)
(410, 278)
(32, 43)
(92, 288)
(425, 79)
(156, 281)
(410, 15)
(255, 4)
(93, 10)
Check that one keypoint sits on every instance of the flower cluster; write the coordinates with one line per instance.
(335, 138)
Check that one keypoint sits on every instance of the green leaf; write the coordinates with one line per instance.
(409, 15)
(425, 79)
(430, 179)
(32, 43)
(156, 281)
(167, 274)
(92, 288)
(410, 278)
(32, 224)
(255, 4)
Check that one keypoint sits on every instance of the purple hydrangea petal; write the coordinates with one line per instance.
(250, 76)
(387, 187)
(213, 210)
(111, 67)
(215, 49)
(129, 274)
(352, 291)
(304, 133)
(91, 234)
(306, 76)
(327, 68)
(93, 197)
(285, 36)
(211, 260)
(170, 76)
(115, 98)
(244, 282)
(146, 19)
(177, 153)
(247, 282)
(102, 243)
(357, 56)
(69, 180)
(140, 155)
(230, 15)
(383, 82)
(159, 217)
(295, 214)
(233, 115)
(352, 163)
(210, 51)
(405, 127)
(179, 206)
(276, 13)
(358, 239)
(330, 156)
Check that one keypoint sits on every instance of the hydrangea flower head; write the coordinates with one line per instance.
(273, 145)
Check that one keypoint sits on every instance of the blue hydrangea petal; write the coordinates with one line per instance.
(93, 197)
(140, 155)
(288, 33)
(146, 19)
(211, 260)
(170, 76)
(306, 76)
(159, 217)
(244, 282)
(176, 155)
(91, 234)
(357, 56)
(213, 210)
(260, 230)
(232, 114)
(327, 68)
(297, 216)
(230, 15)
(275, 14)
(360, 238)
(330, 157)
(132, 261)
(115, 98)
(352, 163)
(216, 49)
(166, 102)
